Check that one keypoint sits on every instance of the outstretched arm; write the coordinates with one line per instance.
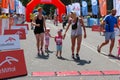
(69, 23)
(84, 29)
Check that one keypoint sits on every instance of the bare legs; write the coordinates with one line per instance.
(105, 43)
(39, 41)
(73, 41)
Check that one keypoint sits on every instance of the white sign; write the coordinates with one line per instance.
(116, 4)
(76, 8)
(20, 27)
(117, 31)
(8, 42)
(5, 24)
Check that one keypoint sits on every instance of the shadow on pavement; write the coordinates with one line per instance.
(43, 56)
(62, 58)
(82, 62)
(111, 57)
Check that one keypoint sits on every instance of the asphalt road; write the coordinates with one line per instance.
(90, 59)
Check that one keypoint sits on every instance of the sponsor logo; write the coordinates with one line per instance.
(94, 2)
(9, 60)
(84, 3)
(10, 39)
(18, 33)
(7, 70)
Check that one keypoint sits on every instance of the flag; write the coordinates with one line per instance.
(76, 8)
(12, 5)
(103, 7)
(94, 7)
(5, 3)
(84, 8)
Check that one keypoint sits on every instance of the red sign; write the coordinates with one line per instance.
(12, 64)
(23, 25)
(20, 32)
(97, 28)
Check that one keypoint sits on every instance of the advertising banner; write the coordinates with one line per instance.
(8, 42)
(20, 27)
(20, 32)
(103, 7)
(84, 8)
(94, 7)
(76, 8)
(116, 4)
(23, 25)
(12, 64)
(5, 24)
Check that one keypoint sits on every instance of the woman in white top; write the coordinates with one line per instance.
(76, 32)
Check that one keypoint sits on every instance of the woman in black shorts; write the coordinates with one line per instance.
(40, 27)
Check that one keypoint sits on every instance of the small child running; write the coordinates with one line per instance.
(58, 40)
(118, 48)
(47, 40)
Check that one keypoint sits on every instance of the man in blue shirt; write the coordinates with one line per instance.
(109, 22)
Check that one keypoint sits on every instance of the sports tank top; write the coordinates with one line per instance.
(39, 21)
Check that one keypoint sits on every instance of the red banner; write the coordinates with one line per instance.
(103, 7)
(97, 28)
(20, 32)
(12, 64)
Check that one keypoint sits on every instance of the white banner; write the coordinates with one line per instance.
(5, 24)
(20, 27)
(76, 8)
(116, 4)
(8, 42)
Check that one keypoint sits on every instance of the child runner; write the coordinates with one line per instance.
(118, 48)
(58, 40)
(47, 40)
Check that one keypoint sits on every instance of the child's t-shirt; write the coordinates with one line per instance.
(47, 37)
(58, 40)
(118, 40)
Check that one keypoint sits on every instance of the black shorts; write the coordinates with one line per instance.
(38, 30)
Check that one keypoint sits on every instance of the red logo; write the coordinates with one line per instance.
(10, 39)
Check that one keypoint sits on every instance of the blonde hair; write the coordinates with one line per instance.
(39, 9)
(73, 14)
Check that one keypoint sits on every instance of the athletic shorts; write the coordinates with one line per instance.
(59, 47)
(109, 35)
